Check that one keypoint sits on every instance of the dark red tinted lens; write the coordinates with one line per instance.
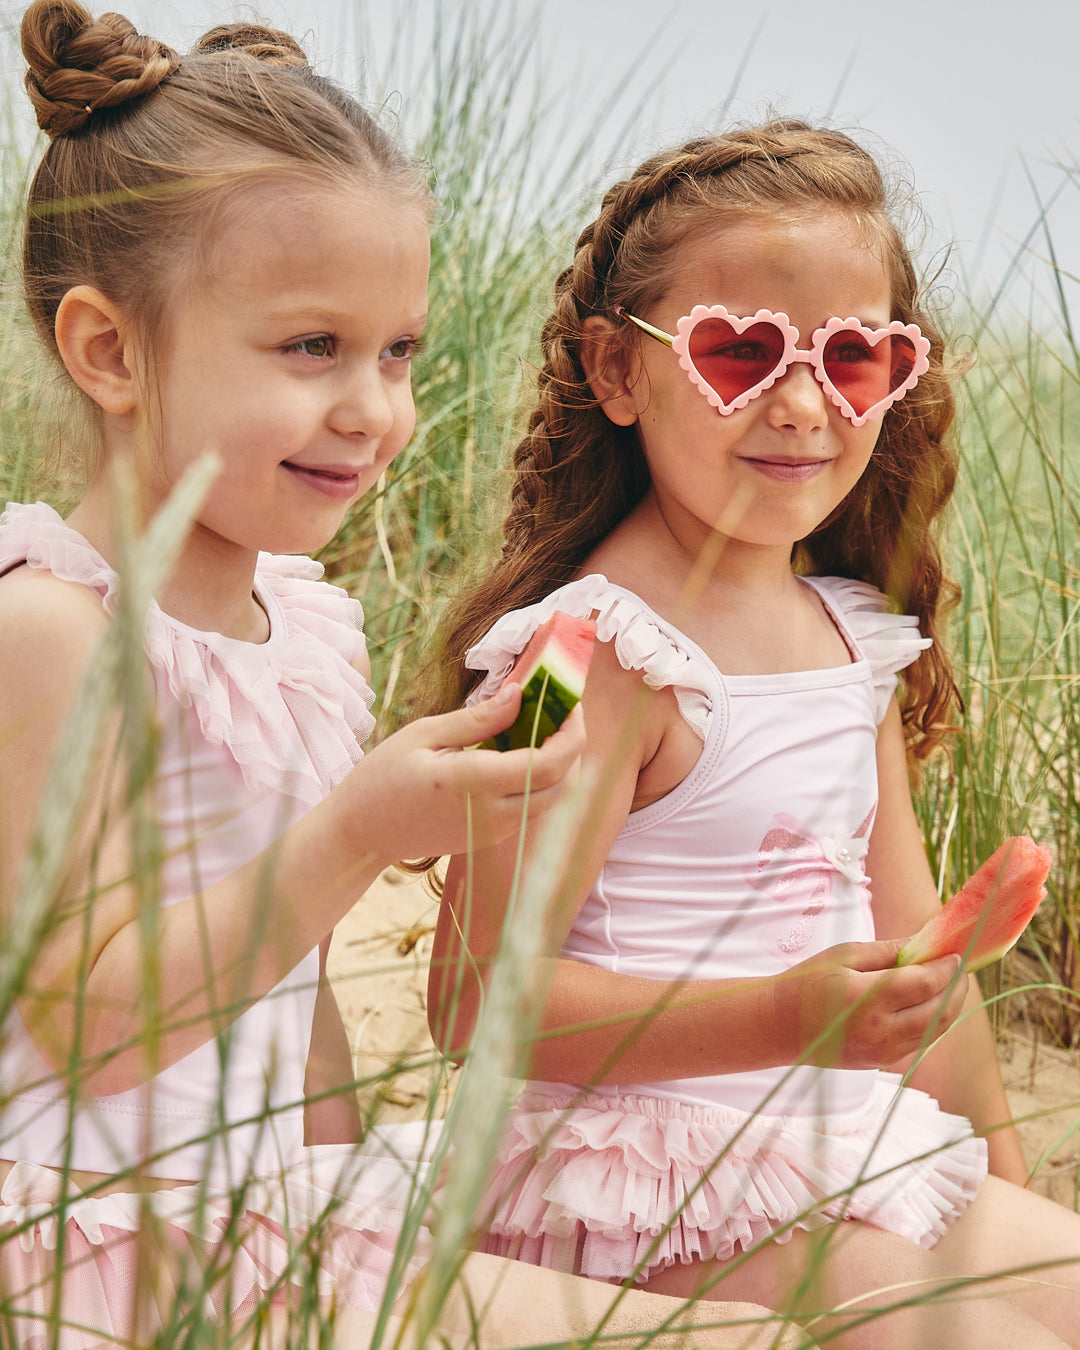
(734, 362)
(865, 372)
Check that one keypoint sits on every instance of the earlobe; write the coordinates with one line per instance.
(608, 370)
(93, 344)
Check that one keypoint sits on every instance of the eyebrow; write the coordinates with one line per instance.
(327, 315)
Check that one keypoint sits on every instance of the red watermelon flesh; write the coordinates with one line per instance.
(551, 671)
(989, 911)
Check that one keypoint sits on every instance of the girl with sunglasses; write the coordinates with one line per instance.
(735, 464)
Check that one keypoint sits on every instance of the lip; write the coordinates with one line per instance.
(339, 481)
(782, 470)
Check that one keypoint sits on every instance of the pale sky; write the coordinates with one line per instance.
(979, 97)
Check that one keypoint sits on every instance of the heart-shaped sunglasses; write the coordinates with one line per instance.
(732, 360)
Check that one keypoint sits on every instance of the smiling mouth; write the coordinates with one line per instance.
(787, 470)
(331, 480)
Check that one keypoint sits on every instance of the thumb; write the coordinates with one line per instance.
(880, 954)
(467, 726)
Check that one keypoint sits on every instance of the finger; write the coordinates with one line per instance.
(939, 974)
(541, 766)
(468, 726)
(918, 1026)
(922, 986)
(539, 800)
(880, 954)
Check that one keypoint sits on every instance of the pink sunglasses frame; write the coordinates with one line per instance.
(814, 355)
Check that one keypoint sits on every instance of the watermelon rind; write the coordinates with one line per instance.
(551, 687)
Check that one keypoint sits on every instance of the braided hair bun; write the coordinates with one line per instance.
(267, 45)
(79, 64)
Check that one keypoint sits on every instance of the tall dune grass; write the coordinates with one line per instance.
(512, 197)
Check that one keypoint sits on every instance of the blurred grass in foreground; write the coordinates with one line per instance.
(512, 198)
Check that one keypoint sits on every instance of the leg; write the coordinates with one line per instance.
(1007, 1229)
(520, 1305)
(864, 1289)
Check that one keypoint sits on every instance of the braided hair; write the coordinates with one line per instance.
(148, 148)
(577, 474)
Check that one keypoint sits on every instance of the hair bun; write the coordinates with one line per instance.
(266, 45)
(79, 64)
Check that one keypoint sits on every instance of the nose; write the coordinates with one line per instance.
(362, 406)
(798, 401)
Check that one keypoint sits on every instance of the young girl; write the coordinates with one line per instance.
(228, 257)
(738, 451)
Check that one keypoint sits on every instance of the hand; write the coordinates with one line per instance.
(438, 794)
(869, 1013)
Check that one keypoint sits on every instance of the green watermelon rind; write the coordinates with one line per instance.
(546, 703)
(551, 687)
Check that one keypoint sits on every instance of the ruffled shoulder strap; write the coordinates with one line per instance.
(642, 642)
(887, 642)
(35, 534)
(293, 711)
(313, 606)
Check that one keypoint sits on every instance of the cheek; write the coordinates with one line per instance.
(861, 444)
(404, 418)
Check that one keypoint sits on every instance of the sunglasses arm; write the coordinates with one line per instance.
(657, 333)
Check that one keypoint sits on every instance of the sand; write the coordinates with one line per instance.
(378, 965)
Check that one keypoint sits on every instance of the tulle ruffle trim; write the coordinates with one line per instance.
(331, 1222)
(887, 642)
(293, 711)
(620, 617)
(614, 1187)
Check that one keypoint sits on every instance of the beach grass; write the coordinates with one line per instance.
(514, 185)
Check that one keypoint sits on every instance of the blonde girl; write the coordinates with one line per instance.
(739, 449)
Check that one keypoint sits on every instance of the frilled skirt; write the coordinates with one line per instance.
(329, 1225)
(613, 1187)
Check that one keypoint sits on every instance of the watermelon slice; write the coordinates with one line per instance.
(989, 911)
(551, 671)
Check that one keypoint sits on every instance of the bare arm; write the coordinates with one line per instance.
(332, 1114)
(416, 793)
(603, 1027)
(961, 1072)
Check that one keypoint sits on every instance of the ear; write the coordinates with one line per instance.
(614, 375)
(91, 335)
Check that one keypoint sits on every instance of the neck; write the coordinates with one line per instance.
(210, 585)
(710, 565)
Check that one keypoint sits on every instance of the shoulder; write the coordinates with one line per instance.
(50, 633)
(888, 642)
(642, 644)
(45, 619)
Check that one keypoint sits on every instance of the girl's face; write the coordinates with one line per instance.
(767, 474)
(291, 361)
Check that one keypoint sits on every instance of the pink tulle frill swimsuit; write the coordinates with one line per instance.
(752, 864)
(251, 736)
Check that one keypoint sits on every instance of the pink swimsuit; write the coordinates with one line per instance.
(251, 737)
(753, 863)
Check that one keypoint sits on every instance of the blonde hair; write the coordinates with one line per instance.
(148, 147)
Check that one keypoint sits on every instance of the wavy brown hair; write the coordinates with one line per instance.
(148, 149)
(577, 474)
